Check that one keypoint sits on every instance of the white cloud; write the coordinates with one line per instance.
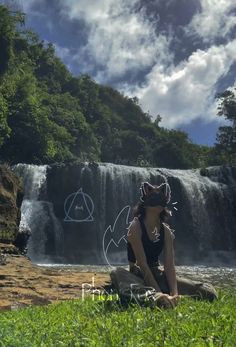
(87, 9)
(25, 5)
(124, 41)
(63, 53)
(216, 19)
(120, 39)
(186, 92)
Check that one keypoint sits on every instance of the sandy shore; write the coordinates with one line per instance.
(23, 283)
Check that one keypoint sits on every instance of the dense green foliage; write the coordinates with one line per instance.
(226, 137)
(104, 323)
(48, 115)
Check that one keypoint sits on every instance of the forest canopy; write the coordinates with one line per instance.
(49, 115)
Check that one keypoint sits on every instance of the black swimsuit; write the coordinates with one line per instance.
(152, 249)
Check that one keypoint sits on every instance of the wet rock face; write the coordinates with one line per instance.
(11, 196)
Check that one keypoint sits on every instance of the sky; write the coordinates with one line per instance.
(174, 55)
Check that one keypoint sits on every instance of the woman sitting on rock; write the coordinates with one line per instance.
(148, 236)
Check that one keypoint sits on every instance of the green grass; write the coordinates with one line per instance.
(106, 324)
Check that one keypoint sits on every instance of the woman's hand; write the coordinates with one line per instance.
(175, 298)
(166, 300)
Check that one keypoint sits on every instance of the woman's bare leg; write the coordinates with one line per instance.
(195, 289)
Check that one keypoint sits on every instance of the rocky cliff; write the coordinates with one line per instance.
(11, 196)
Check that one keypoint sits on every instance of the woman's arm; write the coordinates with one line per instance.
(134, 236)
(169, 264)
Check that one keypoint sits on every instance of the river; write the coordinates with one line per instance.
(219, 276)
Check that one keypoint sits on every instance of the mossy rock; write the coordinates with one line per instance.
(11, 196)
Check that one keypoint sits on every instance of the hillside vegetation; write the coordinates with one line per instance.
(49, 115)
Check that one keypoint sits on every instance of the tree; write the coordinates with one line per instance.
(226, 144)
(86, 90)
(132, 147)
(7, 34)
(227, 105)
(48, 115)
(226, 136)
(4, 128)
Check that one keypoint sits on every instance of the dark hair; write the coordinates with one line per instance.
(139, 211)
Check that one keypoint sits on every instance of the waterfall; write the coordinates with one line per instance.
(204, 221)
(207, 208)
(80, 212)
(37, 215)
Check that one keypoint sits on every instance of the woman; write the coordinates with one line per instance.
(148, 236)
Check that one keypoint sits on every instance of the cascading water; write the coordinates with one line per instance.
(207, 208)
(94, 201)
(37, 215)
(82, 211)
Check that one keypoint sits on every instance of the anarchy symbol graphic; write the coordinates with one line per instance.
(78, 207)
